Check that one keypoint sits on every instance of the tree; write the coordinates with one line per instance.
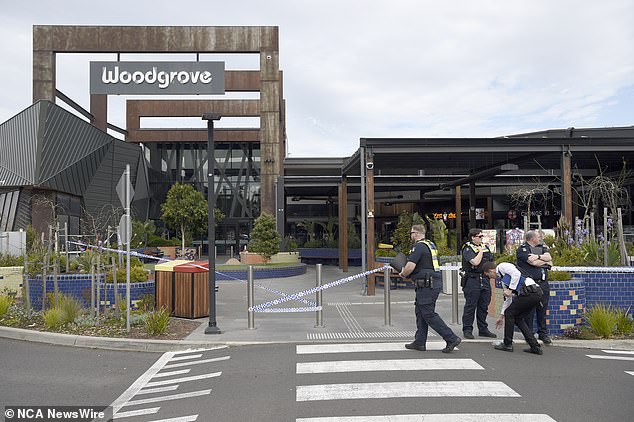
(184, 210)
(141, 232)
(401, 238)
(265, 240)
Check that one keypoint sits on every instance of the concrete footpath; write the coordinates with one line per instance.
(348, 316)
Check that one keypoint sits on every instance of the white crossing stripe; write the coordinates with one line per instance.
(184, 379)
(304, 349)
(190, 418)
(175, 359)
(453, 417)
(609, 357)
(172, 397)
(169, 374)
(620, 352)
(404, 389)
(140, 382)
(196, 362)
(158, 390)
(385, 365)
(139, 412)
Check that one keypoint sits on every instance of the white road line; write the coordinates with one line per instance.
(199, 350)
(157, 390)
(629, 372)
(454, 417)
(166, 398)
(185, 379)
(169, 374)
(609, 357)
(140, 412)
(404, 389)
(186, 357)
(140, 382)
(196, 362)
(190, 418)
(384, 365)
(620, 352)
(361, 347)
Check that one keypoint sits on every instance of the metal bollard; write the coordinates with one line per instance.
(318, 298)
(250, 298)
(386, 296)
(454, 295)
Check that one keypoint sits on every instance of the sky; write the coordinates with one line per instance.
(368, 69)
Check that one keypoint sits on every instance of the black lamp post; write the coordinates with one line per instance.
(212, 328)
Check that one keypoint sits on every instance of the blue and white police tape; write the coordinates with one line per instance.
(304, 301)
(262, 306)
(285, 310)
(119, 251)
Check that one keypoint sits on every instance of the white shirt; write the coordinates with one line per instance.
(506, 268)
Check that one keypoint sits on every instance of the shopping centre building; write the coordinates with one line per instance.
(59, 165)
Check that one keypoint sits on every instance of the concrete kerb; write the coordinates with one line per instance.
(160, 346)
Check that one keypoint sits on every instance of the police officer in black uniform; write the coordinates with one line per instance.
(534, 260)
(475, 286)
(424, 269)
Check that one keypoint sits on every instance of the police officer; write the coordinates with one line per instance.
(534, 260)
(476, 288)
(521, 294)
(424, 269)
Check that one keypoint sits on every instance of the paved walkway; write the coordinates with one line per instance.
(348, 315)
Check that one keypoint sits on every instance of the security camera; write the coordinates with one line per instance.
(369, 165)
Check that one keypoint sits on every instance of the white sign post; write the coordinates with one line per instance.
(125, 193)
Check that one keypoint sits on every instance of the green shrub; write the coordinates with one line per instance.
(602, 320)
(385, 252)
(624, 322)
(289, 244)
(559, 276)
(505, 257)
(146, 302)
(315, 243)
(5, 303)
(52, 318)
(70, 308)
(580, 333)
(137, 274)
(11, 260)
(157, 322)
(265, 239)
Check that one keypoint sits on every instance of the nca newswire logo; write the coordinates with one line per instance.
(157, 78)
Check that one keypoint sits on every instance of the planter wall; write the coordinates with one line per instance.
(78, 286)
(570, 299)
(259, 273)
(11, 278)
(328, 256)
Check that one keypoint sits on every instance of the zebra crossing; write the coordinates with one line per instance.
(621, 355)
(163, 383)
(316, 360)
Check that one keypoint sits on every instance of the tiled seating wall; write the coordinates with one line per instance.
(79, 286)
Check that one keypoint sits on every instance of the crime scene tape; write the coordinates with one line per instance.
(304, 301)
(262, 306)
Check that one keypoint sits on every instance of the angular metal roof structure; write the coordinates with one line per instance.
(47, 148)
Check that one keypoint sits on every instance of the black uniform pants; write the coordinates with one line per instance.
(426, 316)
(477, 294)
(516, 314)
(540, 311)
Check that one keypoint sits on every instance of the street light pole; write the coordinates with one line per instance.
(212, 328)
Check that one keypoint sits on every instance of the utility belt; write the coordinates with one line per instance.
(533, 289)
(465, 276)
(426, 282)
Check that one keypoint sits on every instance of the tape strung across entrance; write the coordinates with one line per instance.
(261, 307)
(311, 308)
